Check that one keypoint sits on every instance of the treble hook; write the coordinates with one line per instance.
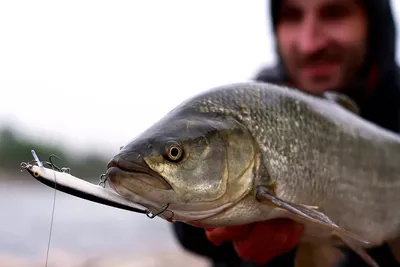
(103, 179)
(51, 161)
(54, 166)
(151, 215)
(24, 166)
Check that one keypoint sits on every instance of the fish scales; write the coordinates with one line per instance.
(319, 154)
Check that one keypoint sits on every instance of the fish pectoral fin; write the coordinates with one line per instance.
(309, 207)
(357, 249)
(305, 212)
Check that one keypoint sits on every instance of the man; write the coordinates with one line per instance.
(340, 45)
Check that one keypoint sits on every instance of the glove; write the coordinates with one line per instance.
(260, 241)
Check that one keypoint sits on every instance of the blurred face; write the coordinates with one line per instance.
(322, 42)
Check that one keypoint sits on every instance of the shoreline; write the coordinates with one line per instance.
(62, 258)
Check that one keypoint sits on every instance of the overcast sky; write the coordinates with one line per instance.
(94, 74)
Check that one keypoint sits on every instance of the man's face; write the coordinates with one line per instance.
(322, 42)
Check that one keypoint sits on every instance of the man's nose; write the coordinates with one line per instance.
(311, 36)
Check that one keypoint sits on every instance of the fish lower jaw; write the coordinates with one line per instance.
(157, 200)
(198, 218)
(171, 213)
(163, 207)
(147, 202)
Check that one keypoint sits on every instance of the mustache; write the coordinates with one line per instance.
(327, 55)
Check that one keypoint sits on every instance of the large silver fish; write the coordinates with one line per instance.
(249, 152)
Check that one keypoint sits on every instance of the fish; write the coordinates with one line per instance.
(245, 152)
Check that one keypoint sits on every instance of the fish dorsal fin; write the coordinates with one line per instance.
(342, 100)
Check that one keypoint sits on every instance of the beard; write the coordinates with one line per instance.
(341, 65)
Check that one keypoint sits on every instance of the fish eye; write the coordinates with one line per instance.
(174, 151)
(36, 174)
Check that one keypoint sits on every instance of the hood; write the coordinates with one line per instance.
(381, 56)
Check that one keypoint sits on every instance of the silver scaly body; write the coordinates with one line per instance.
(318, 154)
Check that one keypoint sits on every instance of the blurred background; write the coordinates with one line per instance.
(79, 79)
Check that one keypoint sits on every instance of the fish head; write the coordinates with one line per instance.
(197, 164)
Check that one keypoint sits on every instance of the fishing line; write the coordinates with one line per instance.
(52, 212)
(89, 196)
(40, 164)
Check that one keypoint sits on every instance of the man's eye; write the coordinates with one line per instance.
(335, 11)
(290, 14)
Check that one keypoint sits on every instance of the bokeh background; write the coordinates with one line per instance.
(80, 79)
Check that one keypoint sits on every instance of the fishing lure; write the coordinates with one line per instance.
(61, 179)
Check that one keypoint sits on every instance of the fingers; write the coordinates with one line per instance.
(269, 239)
(259, 242)
(219, 235)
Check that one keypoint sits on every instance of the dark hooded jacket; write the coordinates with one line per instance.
(377, 93)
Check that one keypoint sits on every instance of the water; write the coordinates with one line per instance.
(81, 228)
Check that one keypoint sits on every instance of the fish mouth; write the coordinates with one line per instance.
(132, 165)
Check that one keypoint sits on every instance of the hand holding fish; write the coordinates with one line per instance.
(261, 241)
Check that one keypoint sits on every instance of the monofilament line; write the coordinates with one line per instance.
(52, 216)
